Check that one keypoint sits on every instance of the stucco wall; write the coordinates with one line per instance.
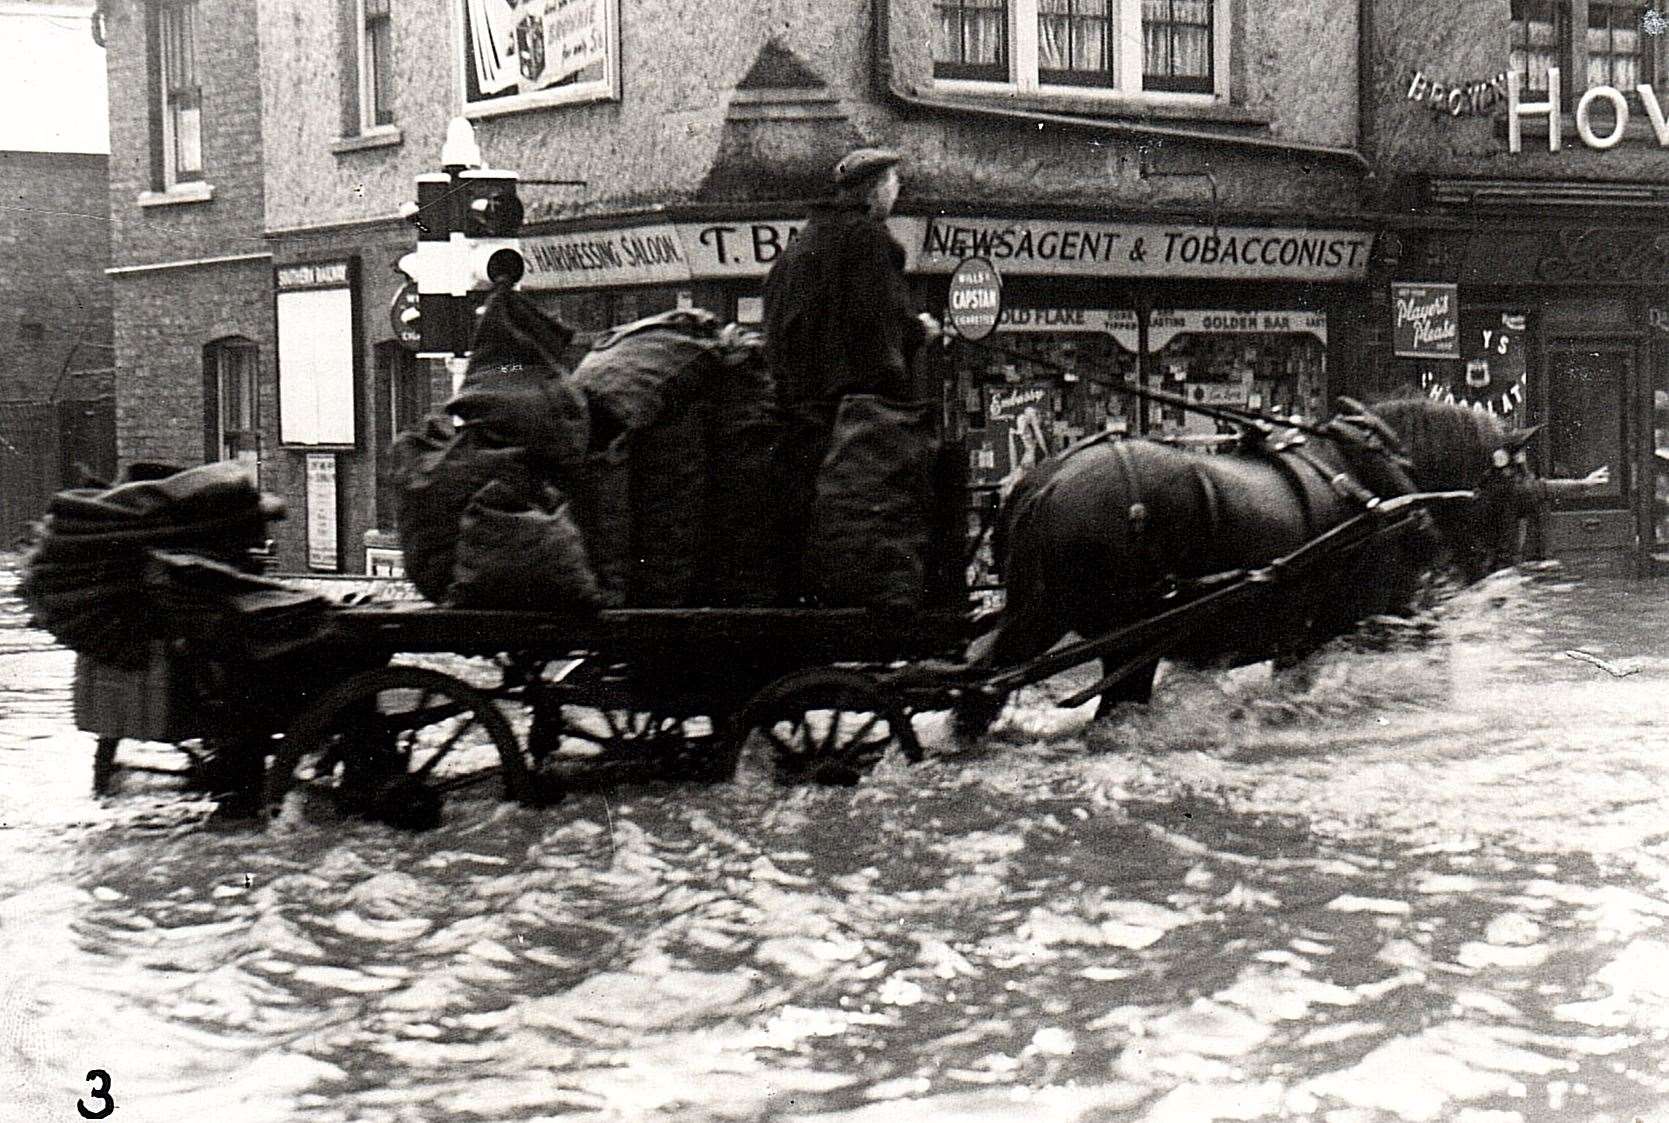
(1459, 41)
(1294, 67)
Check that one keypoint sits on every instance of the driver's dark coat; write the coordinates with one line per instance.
(838, 314)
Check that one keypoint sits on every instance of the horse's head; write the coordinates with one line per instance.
(1456, 448)
(1370, 449)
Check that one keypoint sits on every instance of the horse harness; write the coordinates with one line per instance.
(1285, 455)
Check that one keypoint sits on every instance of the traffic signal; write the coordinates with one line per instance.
(492, 219)
(467, 222)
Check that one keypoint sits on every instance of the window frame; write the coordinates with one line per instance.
(374, 68)
(168, 89)
(218, 434)
(1126, 79)
(1571, 20)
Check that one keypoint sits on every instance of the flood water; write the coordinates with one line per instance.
(1427, 879)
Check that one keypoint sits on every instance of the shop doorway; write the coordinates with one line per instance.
(1586, 409)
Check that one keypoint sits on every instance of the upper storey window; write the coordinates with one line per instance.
(1127, 46)
(376, 65)
(1592, 42)
(179, 95)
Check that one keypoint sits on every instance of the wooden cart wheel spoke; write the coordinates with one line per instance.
(445, 749)
(838, 722)
(462, 780)
(391, 743)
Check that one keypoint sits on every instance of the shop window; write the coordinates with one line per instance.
(376, 64)
(178, 154)
(1592, 42)
(971, 40)
(1585, 408)
(1132, 46)
(231, 409)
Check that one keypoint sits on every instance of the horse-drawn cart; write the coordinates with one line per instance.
(389, 706)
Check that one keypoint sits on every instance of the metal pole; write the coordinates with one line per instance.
(1144, 365)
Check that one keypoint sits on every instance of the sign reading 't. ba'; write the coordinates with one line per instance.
(1425, 321)
(976, 299)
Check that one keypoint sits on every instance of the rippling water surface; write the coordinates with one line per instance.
(1423, 880)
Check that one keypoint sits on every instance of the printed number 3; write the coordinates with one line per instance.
(101, 1091)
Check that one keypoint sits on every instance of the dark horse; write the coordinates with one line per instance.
(1105, 534)
(1452, 447)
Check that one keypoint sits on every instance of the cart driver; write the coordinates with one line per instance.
(838, 320)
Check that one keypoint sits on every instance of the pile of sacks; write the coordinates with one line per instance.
(83, 580)
(640, 478)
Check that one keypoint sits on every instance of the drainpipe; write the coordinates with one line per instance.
(1367, 104)
(896, 94)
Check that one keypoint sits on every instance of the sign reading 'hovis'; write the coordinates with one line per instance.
(1518, 109)
(1425, 321)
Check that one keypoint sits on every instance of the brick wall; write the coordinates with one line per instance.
(54, 295)
(228, 65)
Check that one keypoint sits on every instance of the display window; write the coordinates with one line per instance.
(1050, 376)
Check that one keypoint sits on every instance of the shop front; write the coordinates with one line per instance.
(1564, 328)
(1254, 316)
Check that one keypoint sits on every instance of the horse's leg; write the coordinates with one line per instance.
(1028, 629)
(1137, 686)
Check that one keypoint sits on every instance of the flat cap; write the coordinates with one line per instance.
(862, 162)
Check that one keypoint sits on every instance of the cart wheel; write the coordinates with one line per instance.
(391, 743)
(828, 726)
(625, 744)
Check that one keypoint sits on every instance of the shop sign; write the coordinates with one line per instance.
(1425, 321)
(1164, 325)
(635, 255)
(406, 331)
(1552, 109)
(312, 275)
(975, 300)
(719, 250)
(1469, 99)
(1038, 246)
(322, 550)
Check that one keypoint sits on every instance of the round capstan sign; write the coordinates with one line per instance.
(976, 299)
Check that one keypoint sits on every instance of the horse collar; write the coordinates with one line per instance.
(1342, 483)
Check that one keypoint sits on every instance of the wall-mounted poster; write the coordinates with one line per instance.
(1018, 420)
(316, 367)
(1425, 321)
(322, 514)
(523, 53)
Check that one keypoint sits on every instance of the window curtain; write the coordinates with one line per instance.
(1071, 35)
(1176, 38)
(971, 32)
